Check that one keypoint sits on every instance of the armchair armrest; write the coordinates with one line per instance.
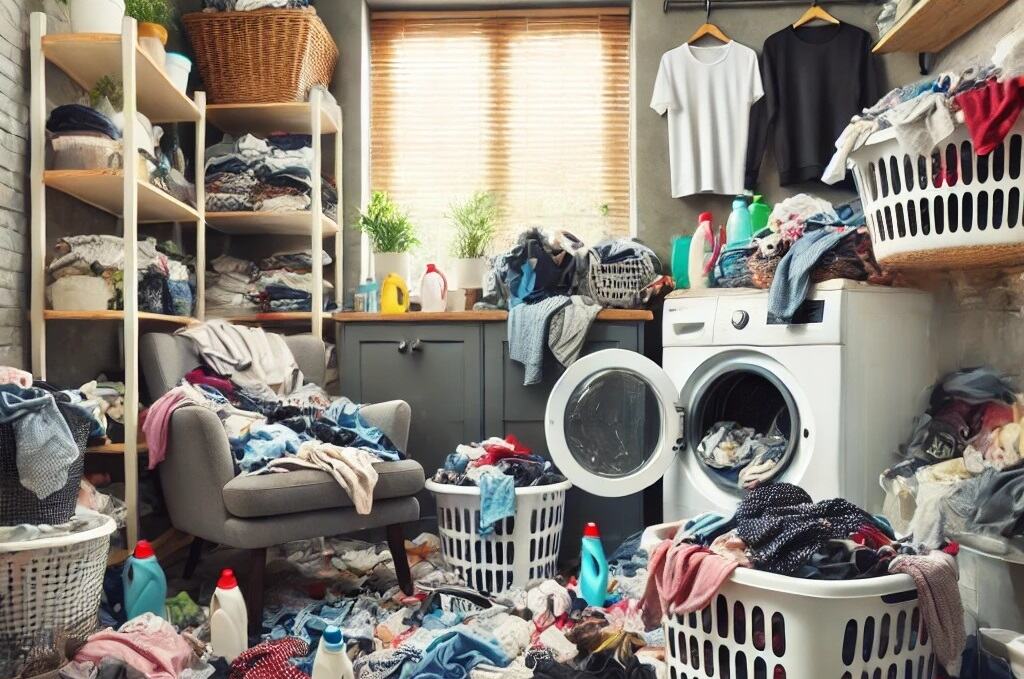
(392, 418)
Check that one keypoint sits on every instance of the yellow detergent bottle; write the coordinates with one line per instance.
(394, 295)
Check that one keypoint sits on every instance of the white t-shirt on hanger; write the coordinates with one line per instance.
(707, 92)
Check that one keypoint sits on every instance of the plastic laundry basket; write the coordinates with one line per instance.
(48, 587)
(521, 548)
(950, 209)
(766, 626)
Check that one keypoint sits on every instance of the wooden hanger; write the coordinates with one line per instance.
(814, 12)
(708, 28)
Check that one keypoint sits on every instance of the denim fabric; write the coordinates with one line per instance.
(344, 415)
(78, 118)
(290, 142)
(276, 292)
(497, 500)
(453, 654)
(793, 274)
(263, 443)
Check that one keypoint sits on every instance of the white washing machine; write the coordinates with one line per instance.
(843, 383)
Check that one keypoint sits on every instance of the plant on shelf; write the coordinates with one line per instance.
(391, 233)
(476, 221)
(107, 90)
(154, 17)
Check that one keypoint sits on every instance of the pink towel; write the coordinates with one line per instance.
(146, 643)
(938, 597)
(156, 422)
(682, 579)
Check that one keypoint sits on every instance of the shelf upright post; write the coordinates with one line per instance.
(316, 214)
(200, 165)
(129, 30)
(339, 240)
(37, 136)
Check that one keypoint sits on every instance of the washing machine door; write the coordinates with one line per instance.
(613, 423)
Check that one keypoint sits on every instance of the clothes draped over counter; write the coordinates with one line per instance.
(280, 283)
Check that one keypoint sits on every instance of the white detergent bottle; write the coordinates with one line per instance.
(433, 290)
(331, 660)
(704, 249)
(228, 618)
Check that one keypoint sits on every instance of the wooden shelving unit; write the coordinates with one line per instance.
(278, 318)
(931, 25)
(274, 223)
(85, 58)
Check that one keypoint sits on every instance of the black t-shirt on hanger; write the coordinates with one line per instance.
(815, 79)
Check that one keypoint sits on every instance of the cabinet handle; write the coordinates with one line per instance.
(417, 345)
(403, 347)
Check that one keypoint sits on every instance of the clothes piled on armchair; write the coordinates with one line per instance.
(268, 175)
(279, 283)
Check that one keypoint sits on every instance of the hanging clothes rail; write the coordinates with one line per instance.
(726, 4)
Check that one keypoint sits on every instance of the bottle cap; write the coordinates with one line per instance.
(590, 531)
(227, 579)
(143, 550)
(705, 217)
(333, 637)
(431, 268)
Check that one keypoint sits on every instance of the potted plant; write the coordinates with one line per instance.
(96, 16)
(154, 16)
(391, 235)
(476, 222)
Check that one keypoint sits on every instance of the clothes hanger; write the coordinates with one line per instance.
(815, 12)
(708, 28)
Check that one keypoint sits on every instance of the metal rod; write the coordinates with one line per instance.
(726, 4)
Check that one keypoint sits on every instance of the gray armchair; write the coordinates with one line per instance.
(205, 499)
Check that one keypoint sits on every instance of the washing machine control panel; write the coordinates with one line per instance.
(740, 318)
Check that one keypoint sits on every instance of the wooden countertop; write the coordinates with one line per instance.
(473, 316)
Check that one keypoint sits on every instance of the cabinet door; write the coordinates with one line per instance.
(436, 368)
(510, 407)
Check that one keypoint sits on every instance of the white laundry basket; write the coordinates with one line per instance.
(766, 626)
(950, 209)
(48, 587)
(521, 548)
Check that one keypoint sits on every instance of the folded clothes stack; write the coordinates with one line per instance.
(76, 119)
(102, 400)
(265, 175)
(166, 275)
(279, 283)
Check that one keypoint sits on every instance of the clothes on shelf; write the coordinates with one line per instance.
(282, 282)
(815, 79)
(265, 175)
(708, 93)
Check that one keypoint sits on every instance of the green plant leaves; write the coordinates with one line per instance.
(388, 228)
(476, 222)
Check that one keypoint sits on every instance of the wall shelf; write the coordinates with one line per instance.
(276, 318)
(274, 223)
(104, 189)
(262, 119)
(115, 315)
(115, 449)
(931, 25)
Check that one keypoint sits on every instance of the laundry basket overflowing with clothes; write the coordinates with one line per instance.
(615, 273)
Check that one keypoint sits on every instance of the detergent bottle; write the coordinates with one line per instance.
(145, 585)
(228, 618)
(331, 660)
(433, 290)
(681, 261)
(704, 251)
(739, 228)
(368, 290)
(394, 295)
(759, 213)
(593, 567)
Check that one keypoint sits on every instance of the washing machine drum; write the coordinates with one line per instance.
(615, 420)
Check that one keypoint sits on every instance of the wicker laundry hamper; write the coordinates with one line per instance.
(950, 209)
(261, 56)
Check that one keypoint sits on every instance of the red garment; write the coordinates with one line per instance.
(496, 452)
(871, 536)
(204, 375)
(682, 579)
(991, 112)
(269, 660)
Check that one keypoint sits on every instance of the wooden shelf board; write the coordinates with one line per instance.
(276, 318)
(114, 449)
(931, 25)
(262, 119)
(473, 316)
(115, 315)
(297, 223)
(104, 189)
(87, 57)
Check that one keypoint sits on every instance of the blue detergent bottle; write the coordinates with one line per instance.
(593, 567)
(145, 585)
(739, 228)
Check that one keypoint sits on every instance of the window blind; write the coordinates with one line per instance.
(532, 106)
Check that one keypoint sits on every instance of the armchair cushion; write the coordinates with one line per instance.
(309, 490)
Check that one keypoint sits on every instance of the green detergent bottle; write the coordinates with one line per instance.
(759, 213)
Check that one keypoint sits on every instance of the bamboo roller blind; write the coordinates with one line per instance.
(531, 106)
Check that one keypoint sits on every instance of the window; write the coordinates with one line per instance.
(531, 106)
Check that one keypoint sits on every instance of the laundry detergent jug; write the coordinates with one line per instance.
(704, 250)
(739, 229)
(759, 213)
(228, 618)
(433, 290)
(331, 661)
(593, 567)
(394, 295)
(145, 585)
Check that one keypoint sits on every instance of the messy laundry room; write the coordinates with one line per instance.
(473, 339)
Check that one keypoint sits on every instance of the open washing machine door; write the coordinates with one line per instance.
(613, 423)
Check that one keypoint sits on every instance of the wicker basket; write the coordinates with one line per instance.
(261, 56)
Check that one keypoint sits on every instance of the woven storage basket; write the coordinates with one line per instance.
(49, 587)
(619, 284)
(262, 56)
(952, 209)
(20, 505)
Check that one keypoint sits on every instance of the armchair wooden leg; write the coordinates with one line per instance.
(195, 552)
(396, 543)
(254, 591)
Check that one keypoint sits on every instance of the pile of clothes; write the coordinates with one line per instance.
(268, 175)
(497, 466)
(924, 114)
(963, 470)
(279, 283)
(274, 421)
(741, 455)
(807, 241)
(166, 276)
(102, 400)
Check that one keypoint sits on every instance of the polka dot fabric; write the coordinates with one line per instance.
(783, 527)
(269, 660)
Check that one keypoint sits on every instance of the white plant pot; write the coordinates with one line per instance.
(391, 262)
(468, 273)
(96, 16)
